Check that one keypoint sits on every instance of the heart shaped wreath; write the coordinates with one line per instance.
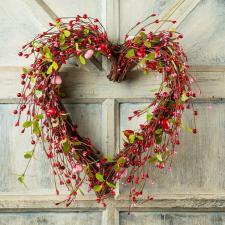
(152, 145)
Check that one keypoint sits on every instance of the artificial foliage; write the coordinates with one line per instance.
(75, 161)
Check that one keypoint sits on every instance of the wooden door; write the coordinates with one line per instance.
(194, 192)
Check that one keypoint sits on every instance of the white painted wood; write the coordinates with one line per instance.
(203, 31)
(142, 218)
(74, 7)
(18, 26)
(46, 218)
(183, 202)
(111, 19)
(131, 12)
(78, 84)
(198, 166)
(195, 187)
(13, 145)
(110, 119)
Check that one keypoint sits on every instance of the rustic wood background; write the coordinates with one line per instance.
(194, 193)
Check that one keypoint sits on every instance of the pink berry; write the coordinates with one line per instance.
(88, 54)
(56, 80)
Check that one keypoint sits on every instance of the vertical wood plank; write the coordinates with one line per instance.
(111, 19)
(110, 118)
(111, 216)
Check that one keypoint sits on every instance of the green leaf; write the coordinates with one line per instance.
(76, 46)
(143, 35)
(158, 139)
(86, 31)
(174, 65)
(136, 40)
(109, 159)
(55, 65)
(139, 137)
(150, 56)
(35, 127)
(49, 71)
(99, 177)
(66, 33)
(89, 41)
(62, 39)
(35, 44)
(75, 155)
(152, 160)
(149, 117)
(27, 124)
(158, 131)
(21, 179)
(116, 167)
(156, 40)
(76, 143)
(32, 80)
(131, 138)
(57, 24)
(46, 49)
(64, 47)
(121, 160)
(147, 44)
(97, 188)
(26, 70)
(48, 56)
(28, 154)
(38, 93)
(66, 147)
(39, 116)
(82, 59)
(130, 53)
(170, 50)
(184, 97)
(111, 185)
(186, 128)
(159, 157)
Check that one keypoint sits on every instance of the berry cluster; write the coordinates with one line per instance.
(74, 159)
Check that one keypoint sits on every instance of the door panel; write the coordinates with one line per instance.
(194, 192)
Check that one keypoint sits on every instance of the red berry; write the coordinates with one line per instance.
(23, 82)
(103, 48)
(15, 111)
(19, 95)
(195, 113)
(173, 21)
(23, 76)
(194, 130)
(181, 36)
(165, 124)
(156, 21)
(85, 16)
(20, 54)
(23, 107)
(58, 20)
(96, 20)
(51, 112)
(68, 181)
(33, 142)
(153, 14)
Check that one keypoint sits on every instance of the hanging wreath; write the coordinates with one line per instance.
(74, 159)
